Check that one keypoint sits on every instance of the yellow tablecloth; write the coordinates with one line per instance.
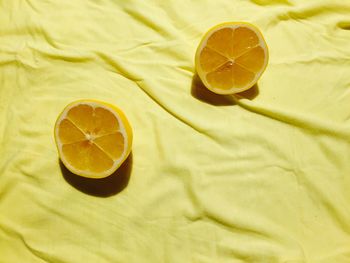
(263, 177)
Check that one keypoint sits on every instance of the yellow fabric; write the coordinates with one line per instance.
(261, 177)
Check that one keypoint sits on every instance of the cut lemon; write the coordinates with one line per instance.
(231, 57)
(93, 138)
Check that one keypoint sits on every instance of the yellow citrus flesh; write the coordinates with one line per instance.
(231, 57)
(93, 138)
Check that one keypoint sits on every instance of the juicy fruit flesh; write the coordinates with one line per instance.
(232, 57)
(91, 138)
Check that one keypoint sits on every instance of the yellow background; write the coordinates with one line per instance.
(263, 177)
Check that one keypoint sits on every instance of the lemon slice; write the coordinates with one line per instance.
(93, 138)
(231, 57)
